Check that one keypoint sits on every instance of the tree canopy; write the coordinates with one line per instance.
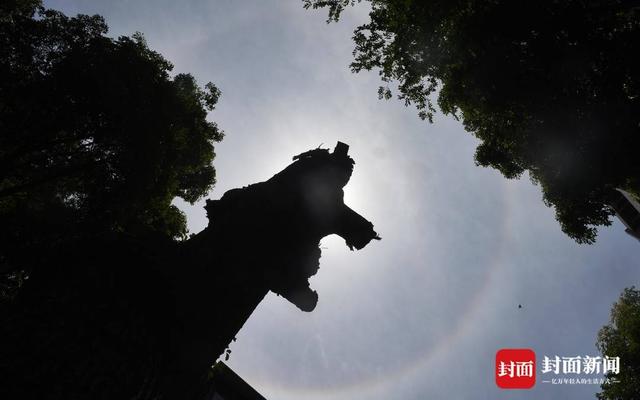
(95, 134)
(621, 338)
(548, 87)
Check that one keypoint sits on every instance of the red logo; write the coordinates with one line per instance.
(515, 368)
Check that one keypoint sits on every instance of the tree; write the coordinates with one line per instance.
(95, 135)
(549, 87)
(621, 338)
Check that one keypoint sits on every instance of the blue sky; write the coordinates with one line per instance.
(421, 313)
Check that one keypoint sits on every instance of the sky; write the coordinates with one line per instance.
(420, 314)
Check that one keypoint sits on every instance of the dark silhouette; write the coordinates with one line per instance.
(95, 136)
(621, 338)
(228, 385)
(549, 87)
(98, 298)
(121, 317)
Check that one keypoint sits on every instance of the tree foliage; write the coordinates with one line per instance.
(621, 338)
(549, 87)
(95, 134)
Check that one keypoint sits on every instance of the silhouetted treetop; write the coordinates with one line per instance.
(548, 87)
(621, 338)
(96, 135)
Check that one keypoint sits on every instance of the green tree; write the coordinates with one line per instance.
(549, 87)
(95, 134)
(621, 338)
